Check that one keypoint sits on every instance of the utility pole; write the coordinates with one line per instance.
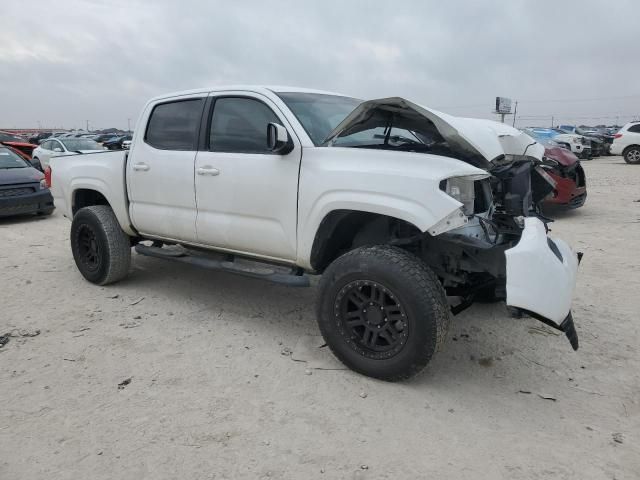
(128, 124)
(551, 121)
(87, 125)
(515, 112)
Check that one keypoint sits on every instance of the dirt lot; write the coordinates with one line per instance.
(214, 392)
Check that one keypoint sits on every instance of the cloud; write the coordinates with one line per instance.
(101, 60)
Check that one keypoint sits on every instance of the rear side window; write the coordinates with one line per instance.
(174, 126)
(634, 128)
(239, 125)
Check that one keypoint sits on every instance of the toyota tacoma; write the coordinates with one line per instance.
(408, 214)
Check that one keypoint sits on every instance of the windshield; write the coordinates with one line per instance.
(8, 159)
(74, 144)
(319, 113)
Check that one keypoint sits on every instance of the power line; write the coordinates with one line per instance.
(560, 100)
(569, 100)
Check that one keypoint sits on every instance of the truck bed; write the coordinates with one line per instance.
(103, 172)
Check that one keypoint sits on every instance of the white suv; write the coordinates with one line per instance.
(627, 143)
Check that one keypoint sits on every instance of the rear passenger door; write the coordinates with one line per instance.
(160, 170)
(247, 196)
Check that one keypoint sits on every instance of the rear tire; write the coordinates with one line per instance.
(632, 155)
(382, 312)
(101, 249)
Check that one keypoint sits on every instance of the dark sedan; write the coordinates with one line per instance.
(116, 143)
(22, 187)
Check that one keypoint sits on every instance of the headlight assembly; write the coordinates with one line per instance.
(462, 189)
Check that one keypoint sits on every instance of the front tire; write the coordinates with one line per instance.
(382, 312)
(632, 155)
(101, 249)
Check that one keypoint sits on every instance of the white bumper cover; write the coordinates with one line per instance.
(537, 280)
(617, 148)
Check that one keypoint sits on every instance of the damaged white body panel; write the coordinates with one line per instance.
(539, 280)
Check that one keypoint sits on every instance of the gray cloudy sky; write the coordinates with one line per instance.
(67, 61)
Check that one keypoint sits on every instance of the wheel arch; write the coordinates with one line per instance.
(86, 197)
(85, 192)
(343, 230)
(629, 147)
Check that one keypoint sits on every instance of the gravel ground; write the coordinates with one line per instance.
(184, 373)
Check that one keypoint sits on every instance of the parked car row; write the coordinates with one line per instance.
(113, 141)
(590, 142)
(581, 146)
(601, 139)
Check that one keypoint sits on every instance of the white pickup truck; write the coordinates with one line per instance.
(409, 214)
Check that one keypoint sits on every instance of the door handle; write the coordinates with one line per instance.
(208, 171)
(141, 167)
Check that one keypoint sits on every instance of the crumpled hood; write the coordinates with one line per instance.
(468, 137)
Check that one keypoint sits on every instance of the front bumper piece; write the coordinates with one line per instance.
(541, 278)
(32, 202)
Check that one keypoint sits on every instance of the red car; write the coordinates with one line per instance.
(565, 169)
(24, 149)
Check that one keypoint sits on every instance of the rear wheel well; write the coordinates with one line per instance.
(85, 198)
(629, 147)
(343, 230)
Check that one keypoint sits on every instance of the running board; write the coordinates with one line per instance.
(186, 256)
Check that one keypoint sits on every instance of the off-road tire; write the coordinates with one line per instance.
(414, 286)
(632, 155)
(113, 247)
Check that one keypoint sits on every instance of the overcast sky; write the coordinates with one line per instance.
(67, 61)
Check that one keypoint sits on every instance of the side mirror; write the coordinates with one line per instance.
(278, 140)
(57, 149)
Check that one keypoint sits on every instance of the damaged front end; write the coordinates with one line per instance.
(503, 252)
(495, 246)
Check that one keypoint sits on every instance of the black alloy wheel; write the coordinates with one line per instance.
(373, 318)
(88, 248)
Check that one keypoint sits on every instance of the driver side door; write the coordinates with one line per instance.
(247, 196)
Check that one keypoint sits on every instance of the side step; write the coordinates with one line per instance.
(205, 261)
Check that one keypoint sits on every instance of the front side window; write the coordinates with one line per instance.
(239, 125)
(174, 126)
